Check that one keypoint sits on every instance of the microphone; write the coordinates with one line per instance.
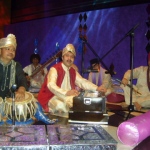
(90, 70)
(13, 88)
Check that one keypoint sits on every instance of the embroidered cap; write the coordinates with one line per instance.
(9, 40)
(69, 48)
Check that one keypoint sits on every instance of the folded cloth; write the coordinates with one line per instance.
(115, 98)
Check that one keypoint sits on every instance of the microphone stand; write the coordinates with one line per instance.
(127, 34)
(131, 106)
(13, 108)
(13, 89)
(131, 34)
(84, 41)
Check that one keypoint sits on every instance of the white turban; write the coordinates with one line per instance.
(69, 48)
(8, 41)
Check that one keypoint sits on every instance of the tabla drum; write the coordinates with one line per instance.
(1, 108)
(24, 109)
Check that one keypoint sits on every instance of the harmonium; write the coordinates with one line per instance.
(89, 107)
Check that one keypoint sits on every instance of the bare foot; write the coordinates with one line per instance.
(124, 105)
(137, 106)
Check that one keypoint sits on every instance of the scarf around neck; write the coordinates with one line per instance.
(12, 71)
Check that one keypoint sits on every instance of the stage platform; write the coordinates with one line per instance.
(60, 137)
(80, 137)
(31, 137)
(65, 136)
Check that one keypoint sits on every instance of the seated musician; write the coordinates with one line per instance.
(12, 73)
(59, 87)
(34, 75)
(100, 78)
(141, 92)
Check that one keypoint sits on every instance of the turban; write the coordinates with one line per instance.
(69, 48)
(8, 41)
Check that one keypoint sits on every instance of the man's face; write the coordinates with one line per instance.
(68, 59)
(96, 66)
(7, 53)
(35, 61)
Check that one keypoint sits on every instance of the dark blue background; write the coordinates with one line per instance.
(105, 28)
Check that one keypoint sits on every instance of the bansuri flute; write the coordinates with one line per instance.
(129, 87)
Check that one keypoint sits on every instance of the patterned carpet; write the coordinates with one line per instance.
(117, 115)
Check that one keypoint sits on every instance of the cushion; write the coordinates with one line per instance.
(115, 98)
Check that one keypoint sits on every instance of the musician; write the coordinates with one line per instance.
(58, 89)
(100, 78)
(142, 97)
(7, 64)
(37, 79)
(12, 73)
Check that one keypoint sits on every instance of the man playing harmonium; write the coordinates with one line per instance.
(59, 87)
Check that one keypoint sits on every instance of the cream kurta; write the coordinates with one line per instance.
(140, 74)
(38, 79)
(106, 80)
(59, 100)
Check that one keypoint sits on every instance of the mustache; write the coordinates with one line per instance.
(69, 61)
(10, 54)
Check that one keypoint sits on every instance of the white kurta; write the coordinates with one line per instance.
(38, 79)
(105, 79)
(140, 74)
(59, 100)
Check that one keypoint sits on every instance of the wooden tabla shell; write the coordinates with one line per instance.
(1, 108)
(24, 109)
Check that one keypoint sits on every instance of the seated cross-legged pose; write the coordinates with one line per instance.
(141, 98)
(59, 87)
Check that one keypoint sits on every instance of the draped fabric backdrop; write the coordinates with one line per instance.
(104, 29)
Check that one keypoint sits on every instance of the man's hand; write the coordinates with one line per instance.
(20, 94)
(72, 93)
(69, 102)
(124, 81)
(42, 72)
(101, 89)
